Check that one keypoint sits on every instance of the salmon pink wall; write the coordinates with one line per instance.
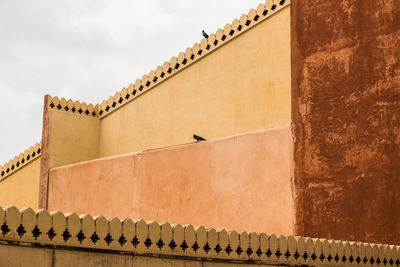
(239, 182)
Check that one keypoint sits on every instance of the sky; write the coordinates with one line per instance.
(88, 50)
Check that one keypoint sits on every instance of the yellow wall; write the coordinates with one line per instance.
(21, 188)
(242, 86)
(17, 255)
(72, 138)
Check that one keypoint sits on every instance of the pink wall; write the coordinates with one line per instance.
(239, 182)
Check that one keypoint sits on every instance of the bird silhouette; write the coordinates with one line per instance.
(198, 138)
(205, 34)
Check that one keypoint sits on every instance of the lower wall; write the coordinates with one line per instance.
(36, 256)
(239, 182)
(37, 238)
(21, 188)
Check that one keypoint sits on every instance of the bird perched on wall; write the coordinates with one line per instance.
(205, 34)
(198, 138)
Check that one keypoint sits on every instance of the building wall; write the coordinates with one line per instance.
(239, 182)
(346, 102)
(67, 137)
(21, 188)
(241, 87)
(72, 138)
(36, 256)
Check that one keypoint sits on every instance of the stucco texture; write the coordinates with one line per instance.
(239, 182)
(242, 86)
(21, 188)
(346, 103)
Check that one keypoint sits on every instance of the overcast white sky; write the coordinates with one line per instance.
(88, 50)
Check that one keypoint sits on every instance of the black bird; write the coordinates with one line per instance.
(205, 34)
(198, 138)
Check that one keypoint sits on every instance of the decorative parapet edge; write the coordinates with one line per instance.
(84, 231)
(176, 64)
(198, 51)
(70, 106)
(21, 160)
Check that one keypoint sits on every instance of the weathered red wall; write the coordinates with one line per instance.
(346, 115)
(241, 182)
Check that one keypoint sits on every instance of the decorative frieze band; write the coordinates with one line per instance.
(141, 237)
(70, 106)
(21, 160)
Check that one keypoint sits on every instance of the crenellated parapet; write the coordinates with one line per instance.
(140, 237)
(70, 106)
(191, 55)
(21, 160)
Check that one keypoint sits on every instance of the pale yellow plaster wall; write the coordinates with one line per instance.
(21, 188)
(36, 256)
(242, 86)
(72, 138)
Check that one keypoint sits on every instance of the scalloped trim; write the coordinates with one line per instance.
(73, 107)
(141, 237)
(176, 64)
(198, 51)
(21, 160)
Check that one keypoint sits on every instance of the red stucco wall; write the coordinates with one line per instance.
(241, 182)
(346, 115)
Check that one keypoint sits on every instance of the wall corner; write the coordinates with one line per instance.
(44, 160)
